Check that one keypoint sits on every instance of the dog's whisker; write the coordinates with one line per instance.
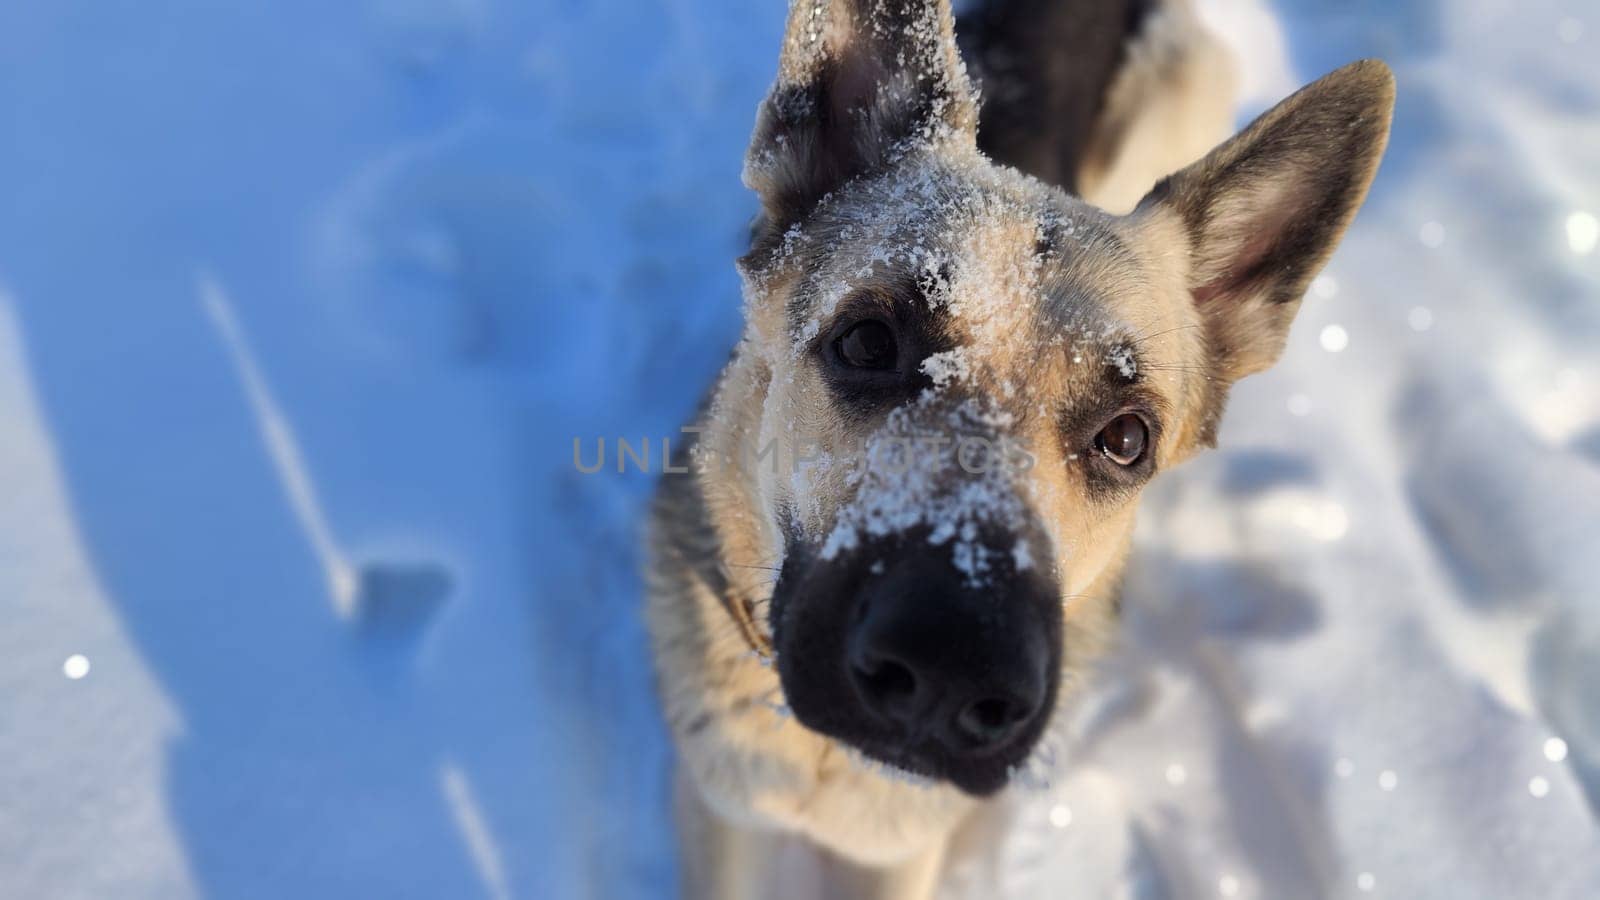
(1141, 339)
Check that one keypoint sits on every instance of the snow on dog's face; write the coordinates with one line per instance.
(969, 375)
(967, 394)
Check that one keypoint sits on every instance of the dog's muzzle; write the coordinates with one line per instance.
(898, 650)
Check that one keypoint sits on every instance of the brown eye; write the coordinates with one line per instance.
(1123, 440)
(868, 345)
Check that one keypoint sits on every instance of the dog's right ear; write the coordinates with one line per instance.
(858, 81)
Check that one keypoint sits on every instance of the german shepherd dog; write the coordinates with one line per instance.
(911, 492)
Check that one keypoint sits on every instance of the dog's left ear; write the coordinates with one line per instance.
(859, 81)
(1265, 210)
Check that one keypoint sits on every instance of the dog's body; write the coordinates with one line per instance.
(903, 288)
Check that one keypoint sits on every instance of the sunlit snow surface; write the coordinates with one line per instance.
(301, 306)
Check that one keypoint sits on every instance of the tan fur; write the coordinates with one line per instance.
(1172, 101)
(1036, 333)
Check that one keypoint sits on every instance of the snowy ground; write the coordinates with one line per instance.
(301, 305)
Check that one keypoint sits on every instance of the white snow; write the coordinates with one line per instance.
(346, 622)
(1334, 338)
(947, 367)
(1583, 232)
(1123, 359)
(76, 666)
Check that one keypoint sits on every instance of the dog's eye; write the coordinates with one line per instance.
(868, 345)
(1124, 439)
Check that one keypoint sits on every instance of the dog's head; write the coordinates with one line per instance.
(970, 376)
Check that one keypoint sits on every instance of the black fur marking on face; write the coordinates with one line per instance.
(920, 329)
(1106, 480)
(1120, 390)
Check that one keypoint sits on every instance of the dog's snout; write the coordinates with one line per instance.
(903, 651)
(939, 659)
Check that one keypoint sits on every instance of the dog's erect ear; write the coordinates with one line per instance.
(1264, 211)
(857, 81)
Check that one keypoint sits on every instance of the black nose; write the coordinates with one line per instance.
(965, 666)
